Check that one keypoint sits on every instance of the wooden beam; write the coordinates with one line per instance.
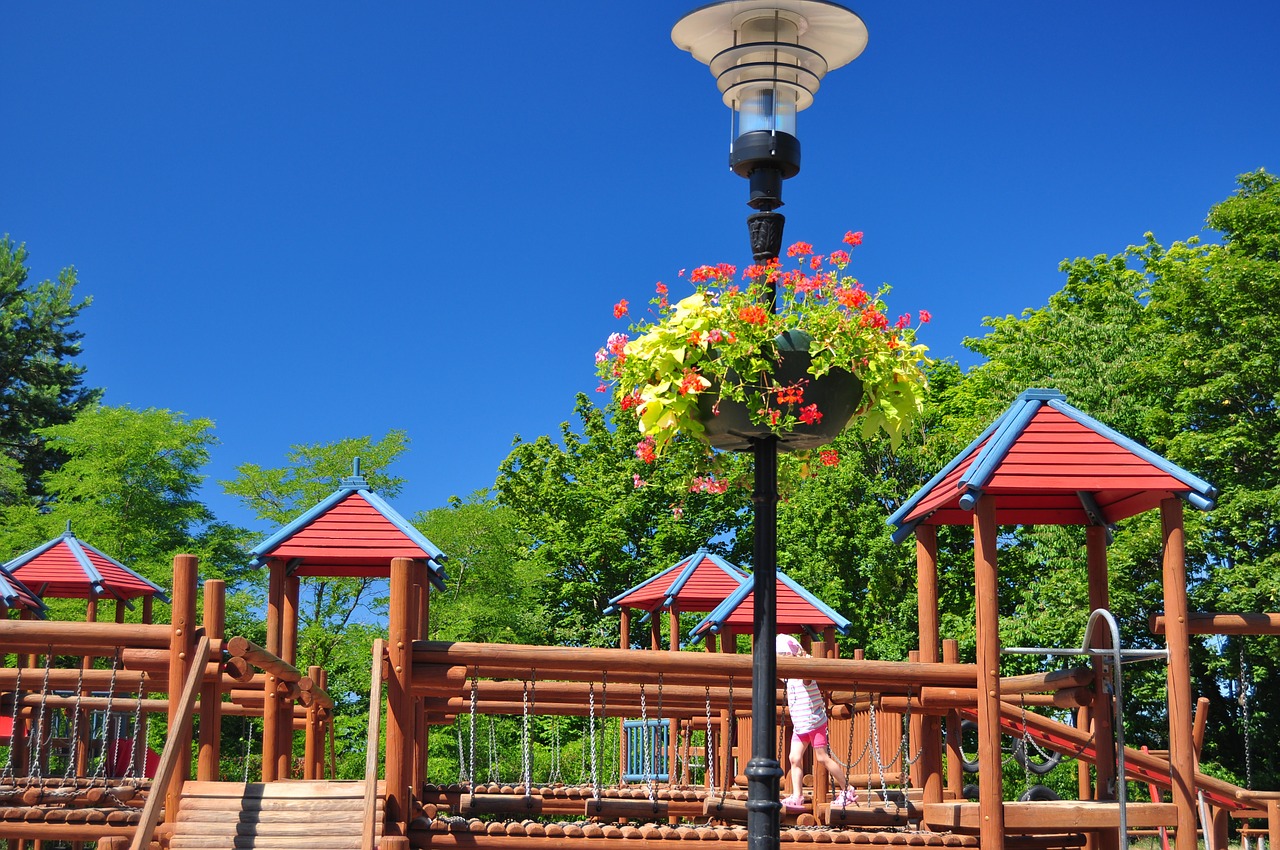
(1201, 623)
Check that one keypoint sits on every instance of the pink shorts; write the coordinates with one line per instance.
(817, 738)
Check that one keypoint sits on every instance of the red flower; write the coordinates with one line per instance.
(644, 450)
(810, 415)
(754, 314)
(799, 249)
(793, 394)
(620, 309)
(873, 318)
(904, 321)
(853, 239)
(925, 317)
(839, 258)
(815, 262)
(692, 382)
(661, 288)
(630, 401)
(702, 274)
(852, 298)
(694, 338)
(829, 457)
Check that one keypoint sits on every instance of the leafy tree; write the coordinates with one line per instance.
(599, 520)
(494, 589)
(40, 380)
(130, 486)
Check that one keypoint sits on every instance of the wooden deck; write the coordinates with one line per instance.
(1051, 816)
(285, 814)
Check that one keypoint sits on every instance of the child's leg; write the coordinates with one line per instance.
(796, 758)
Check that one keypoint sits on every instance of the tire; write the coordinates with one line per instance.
(1039, 794)
(1035, 762)
(968, 729)
(970, 791)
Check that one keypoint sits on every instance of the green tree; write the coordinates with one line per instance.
(40, 379)
(599, 520)
(130, 485)
(494, 590)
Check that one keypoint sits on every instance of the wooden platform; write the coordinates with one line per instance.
(1051, 816)
(286, 814)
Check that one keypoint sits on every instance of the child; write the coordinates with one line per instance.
(809, 724)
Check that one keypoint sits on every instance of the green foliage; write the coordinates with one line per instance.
(129, 485)
(493, 587)
(597, 520)
(40, 381)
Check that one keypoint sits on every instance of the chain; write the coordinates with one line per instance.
(248, 747)
(74, 727)
(101, 772)
(1026, 753)
(708, 761)
(553, 774)
(874, 742)
(495, 766)
(525, 767)
(471, 765)
(1244, 716)
(33, 769)
(728, 748)
(7, 774)
(646, 747)
(138, 724)
(591, 703)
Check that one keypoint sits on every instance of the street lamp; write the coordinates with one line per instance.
(768, 58)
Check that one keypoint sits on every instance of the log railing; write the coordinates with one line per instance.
(369, 830)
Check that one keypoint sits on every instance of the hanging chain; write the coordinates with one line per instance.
(131, 771)
(1026, 753)
(646, 750)
(708, 762)
(591, 703)
(553, 774)
(101, 772)
(471, 769)
(874, 742)
(7, 774)
(33, 769)
(1243, 699)
(73, 724)
(248, 747)
(495, 766)
(526, 768)
(728, 746)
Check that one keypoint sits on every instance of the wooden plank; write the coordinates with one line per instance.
(224, 816)
(1051, 816)
(370, 823)
(282, 790)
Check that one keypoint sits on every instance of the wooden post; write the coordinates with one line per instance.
(624, 629)
(725, 769)
(915, 732)
(215, 610)
(182, 630)
(930, 763)
(311, 762)
(673, 725)
(955, 770)
(1103, 727)
(420, 629)
(1178, 642)
(986, 578)
(288, 653)
(402, 607)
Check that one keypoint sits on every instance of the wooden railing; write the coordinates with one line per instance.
(369, 832)
(169, 759)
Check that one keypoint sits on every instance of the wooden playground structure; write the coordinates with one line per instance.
(1042, 462)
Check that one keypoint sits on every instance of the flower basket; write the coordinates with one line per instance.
(728, 424)
(799, 353)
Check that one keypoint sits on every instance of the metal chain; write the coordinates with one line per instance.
(1026, 753)
(495, 771)
(1243, 698)
(728, 748)
(471, 769)
(591, 703)
(7, 773)
(130, 772)
(646, 749)
(463, 779)
(525, 755)
(101, 772)
(33, 766)
(874, 742)
(73, 724)
(553, 774)
(708, 761)
(248, 747)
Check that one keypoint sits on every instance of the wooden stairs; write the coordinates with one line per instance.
(293, 814)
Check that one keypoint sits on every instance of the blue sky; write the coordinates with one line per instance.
(312, 221)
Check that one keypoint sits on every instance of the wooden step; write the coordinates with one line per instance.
(286, 815)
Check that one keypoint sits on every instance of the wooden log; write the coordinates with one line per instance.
(729, 809)
(1051, 816)
(35, 637)
(617, 808)
(1201, 623)
(1053, 680)
(835, 673)
(242, 647)
(864, 816)
(500, 804)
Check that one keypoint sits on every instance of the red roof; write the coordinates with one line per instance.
(697, 583)
(1044, 462)
(794, 613)
(67, 568)
(356, 535)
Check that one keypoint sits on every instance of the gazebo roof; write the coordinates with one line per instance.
(67, 568)
(698, 582)
(353, 532)
(15, 594)
(797, 610)
(1046, 462)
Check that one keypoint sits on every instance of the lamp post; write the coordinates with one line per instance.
(768, 58)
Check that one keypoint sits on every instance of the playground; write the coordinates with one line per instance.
(663, 750)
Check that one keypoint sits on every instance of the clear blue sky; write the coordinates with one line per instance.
(311, 221)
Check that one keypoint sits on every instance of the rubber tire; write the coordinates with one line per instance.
(967, 726)
(970, 791)
(1039, 794)
(1039, 768)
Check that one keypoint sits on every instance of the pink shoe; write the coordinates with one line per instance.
(847, 797)
(794, 803)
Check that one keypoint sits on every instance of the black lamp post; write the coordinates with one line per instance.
(768, 58)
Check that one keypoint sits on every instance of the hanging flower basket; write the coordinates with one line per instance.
(722, 367)
(729, 425)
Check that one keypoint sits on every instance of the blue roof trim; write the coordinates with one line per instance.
(12, 590)
(910, 504)
(730, 569)
(263, 549)
(842, 625)
(1202, 494)
(86, 566)
(612, 607)
(158, 590)
(714, 621)
(435, 557)
(31, 555)
(1012, 424)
